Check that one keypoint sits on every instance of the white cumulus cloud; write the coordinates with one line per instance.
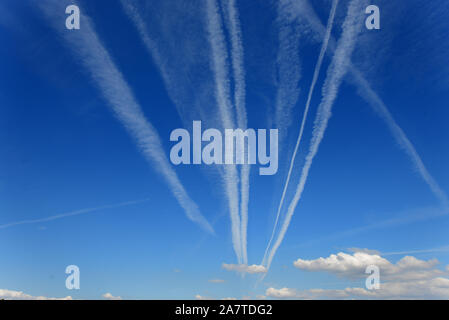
(353, 266)
(243, 268)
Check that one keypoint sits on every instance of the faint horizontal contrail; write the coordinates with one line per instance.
(72, 213)
(288, 69)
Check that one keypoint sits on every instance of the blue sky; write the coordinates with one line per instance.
(85, 121)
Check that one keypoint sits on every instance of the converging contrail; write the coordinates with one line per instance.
(222, 93)
(87, 47)
(233, 25)
(72, 213)
(364, 89)
(381, 109)
(219, 66)
(316, 73)
(335, 73)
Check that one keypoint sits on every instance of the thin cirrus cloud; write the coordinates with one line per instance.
(95, 58)
(337, 69)
(316, 73)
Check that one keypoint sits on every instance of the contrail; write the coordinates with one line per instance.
(233, 25)
(316, 73)
(152, 48)
(337, 69)
(93, 55)
(229, 174)
(289, 69)
(222, 94)
(72, 213)
(369, 95)
(381, 109)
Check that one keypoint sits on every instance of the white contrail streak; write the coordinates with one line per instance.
(95, 58)
(233, 25)
(381, 109)
(219, 66)
(337, 69)
(307, 14)
(153, 50)
(71, 213)
(222, 94)
(316, 73)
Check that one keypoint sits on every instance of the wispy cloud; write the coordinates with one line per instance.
(306, 111)
(71, 213)
(88, 48)
(336, 71)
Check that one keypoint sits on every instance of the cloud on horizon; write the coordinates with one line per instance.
(109, 296)
(20, 295)
(409, 278)
(243, 268)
